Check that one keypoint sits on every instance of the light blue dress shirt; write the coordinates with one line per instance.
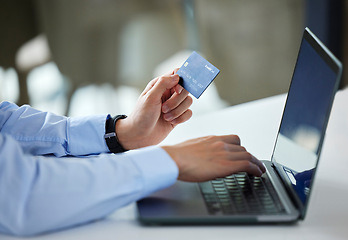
(56, 172)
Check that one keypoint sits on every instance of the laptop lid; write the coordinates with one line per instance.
(314, 83)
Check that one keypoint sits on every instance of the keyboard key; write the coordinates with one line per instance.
(241, 193)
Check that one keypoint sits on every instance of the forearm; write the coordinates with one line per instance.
(41, 133)
(40, 194)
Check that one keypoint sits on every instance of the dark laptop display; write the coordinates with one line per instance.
(305, 116)
(281, 194)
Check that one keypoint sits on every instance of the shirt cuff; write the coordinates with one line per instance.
(158, 169)
(86, 135)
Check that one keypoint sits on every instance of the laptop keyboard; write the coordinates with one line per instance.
(241, 194)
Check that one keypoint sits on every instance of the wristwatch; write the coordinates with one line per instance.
(110, 135)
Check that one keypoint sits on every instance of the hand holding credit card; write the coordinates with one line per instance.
(196, 74)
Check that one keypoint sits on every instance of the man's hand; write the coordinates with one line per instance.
(206, 158)
(161, 106)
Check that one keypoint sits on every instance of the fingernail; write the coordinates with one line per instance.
(175, 77)
(168, 117)
(180, 90)
(165, 109)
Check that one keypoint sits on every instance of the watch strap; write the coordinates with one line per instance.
(110, 135)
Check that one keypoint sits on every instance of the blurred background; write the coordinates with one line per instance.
(78, 57)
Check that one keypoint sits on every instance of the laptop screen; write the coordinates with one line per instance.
(313, 86)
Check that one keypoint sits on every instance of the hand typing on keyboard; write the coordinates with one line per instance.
(210, 157)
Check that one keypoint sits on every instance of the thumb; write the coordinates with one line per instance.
(163, 84)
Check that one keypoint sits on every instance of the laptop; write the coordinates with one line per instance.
(281, 195)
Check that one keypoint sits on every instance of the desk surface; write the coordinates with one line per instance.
(257, 124)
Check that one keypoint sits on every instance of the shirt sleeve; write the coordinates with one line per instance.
(41, 133)
(45, 193)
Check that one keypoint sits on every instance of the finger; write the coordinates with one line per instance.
(255, 161)
(177, 112)
(248, 157)
(174, 101)
(150, 85)
(259, 163)
(178, 89)
(231, 139)
(163, 84)
(245, 166)
(182, 118)
(234, 148)
(172, 72)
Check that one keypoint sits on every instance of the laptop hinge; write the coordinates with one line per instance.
(289, 191)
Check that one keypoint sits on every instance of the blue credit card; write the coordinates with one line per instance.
(196, 74)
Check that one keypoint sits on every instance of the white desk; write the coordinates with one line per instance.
(257, 124)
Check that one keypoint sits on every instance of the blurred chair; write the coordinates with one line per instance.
(19, 32)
